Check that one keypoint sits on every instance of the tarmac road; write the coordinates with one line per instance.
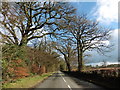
(62, 81)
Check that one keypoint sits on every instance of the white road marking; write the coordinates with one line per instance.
(66, 82)
(64, 79)
(69, 87)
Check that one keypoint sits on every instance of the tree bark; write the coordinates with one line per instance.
(80, 55)
(23, 41)
(78, 52)
(81, 60)
(68, 64)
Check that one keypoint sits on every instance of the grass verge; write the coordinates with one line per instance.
(27, 82)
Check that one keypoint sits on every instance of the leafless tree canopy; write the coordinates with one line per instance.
(24, 21)
(87, 35)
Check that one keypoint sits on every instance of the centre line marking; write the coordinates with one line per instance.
(64, 79)
(69, 87)
(66, 82)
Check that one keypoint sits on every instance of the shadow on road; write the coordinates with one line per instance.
(85, 80)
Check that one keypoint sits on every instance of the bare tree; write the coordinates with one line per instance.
(87, 35)
(24, 21)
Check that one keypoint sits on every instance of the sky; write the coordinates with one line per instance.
(103, 11)
(106, 13)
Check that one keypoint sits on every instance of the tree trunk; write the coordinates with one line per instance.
(80, 55)
(68, 64)
(78, 52)
(23, 41)
(81, 60)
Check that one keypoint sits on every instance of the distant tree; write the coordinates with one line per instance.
(25, 21)
(66, 49)
(104, 63)
(39, 58)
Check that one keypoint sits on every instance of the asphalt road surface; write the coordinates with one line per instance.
(62, 81)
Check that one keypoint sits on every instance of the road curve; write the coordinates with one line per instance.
(60, 81)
